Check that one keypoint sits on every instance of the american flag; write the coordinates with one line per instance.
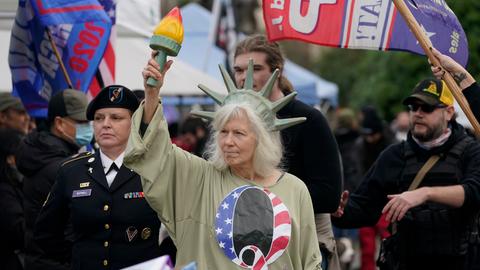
(106, 69)
(224, 230)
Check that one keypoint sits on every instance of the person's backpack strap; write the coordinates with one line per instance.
(418, 179)
(423, 171)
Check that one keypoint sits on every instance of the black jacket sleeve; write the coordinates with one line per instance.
(322, 164)
(472, 94)
(51, 223)
(364, 207)
(12, 222)
(471, 177)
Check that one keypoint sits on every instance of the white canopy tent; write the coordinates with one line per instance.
(7, 12)
(5, 75)
(182, 80)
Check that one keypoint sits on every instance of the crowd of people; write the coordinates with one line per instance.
(256, 184)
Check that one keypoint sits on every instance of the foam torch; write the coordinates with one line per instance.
(167, 39)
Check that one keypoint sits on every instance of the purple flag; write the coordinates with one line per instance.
(440, 25)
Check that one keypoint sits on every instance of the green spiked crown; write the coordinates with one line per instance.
(259, 101)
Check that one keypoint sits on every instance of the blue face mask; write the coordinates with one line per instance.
(83, 134)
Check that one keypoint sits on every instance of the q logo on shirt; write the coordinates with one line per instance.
(253, 227)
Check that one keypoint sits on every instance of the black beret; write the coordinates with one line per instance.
(113, 96)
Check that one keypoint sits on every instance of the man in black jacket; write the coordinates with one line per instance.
(471, 91)
(435, 222)
(40, 156)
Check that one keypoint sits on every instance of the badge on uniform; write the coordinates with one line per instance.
(82, 193)
(131, 233)
(84, 184)
(134, 195)
(146, 232)
(115, 94)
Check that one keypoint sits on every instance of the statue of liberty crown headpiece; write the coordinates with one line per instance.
(264, 108)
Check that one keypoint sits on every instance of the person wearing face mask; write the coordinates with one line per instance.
(39, 157)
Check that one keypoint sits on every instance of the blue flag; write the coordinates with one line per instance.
(80, 30)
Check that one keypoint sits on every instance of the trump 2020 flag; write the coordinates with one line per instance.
(80, 30)
(366, 24)
(106, 68)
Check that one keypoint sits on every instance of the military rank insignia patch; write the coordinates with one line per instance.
(131, 233)
(134, 195)
(84, 184)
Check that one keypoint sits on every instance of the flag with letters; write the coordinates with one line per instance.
(80, 29)
(366, 24)
(105, 74)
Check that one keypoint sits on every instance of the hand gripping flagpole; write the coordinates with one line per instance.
(427, 47)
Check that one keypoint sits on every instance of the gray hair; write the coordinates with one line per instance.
(268, 151)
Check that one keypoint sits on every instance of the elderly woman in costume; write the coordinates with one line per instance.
(237, 209)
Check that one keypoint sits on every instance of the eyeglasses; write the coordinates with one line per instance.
(424, 107)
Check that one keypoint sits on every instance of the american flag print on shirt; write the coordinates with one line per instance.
(252, 227)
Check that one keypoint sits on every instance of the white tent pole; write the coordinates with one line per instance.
(231, 32)
(215, 17)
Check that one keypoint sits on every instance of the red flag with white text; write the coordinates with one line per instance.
(365, 24)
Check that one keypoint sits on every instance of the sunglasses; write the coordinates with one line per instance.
(424, 107)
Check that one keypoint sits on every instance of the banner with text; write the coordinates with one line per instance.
(80, 31)
(366, 24)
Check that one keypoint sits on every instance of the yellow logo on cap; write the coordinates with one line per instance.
(432, 89)
(446, 97)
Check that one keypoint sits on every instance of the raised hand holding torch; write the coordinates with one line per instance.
(167, 39)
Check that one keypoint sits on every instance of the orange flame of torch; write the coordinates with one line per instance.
(171, 26)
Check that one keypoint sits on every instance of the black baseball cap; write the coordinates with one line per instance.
(431, 91)
(68, 103)
(7, 101)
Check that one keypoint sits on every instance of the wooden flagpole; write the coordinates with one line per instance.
(57, 55)
(427, 47)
